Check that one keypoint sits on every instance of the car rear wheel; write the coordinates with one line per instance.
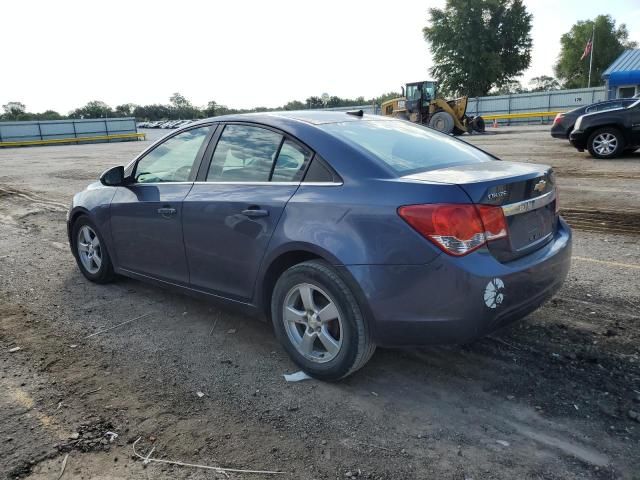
(90, 251)
(606, 143)
(319, 322)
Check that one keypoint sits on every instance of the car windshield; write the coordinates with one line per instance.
(634, 104)
(406, 147)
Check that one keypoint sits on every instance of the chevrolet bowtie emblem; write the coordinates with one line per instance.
(539, 187)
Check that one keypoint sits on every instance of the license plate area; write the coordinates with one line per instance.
(531, 228)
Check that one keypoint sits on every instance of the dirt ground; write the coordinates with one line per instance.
(555, 396)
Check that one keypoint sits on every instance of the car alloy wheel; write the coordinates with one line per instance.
(605, 143)
(313, 322)
(319, 322)
(89, 249)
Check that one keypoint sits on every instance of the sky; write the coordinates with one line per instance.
(241, 53)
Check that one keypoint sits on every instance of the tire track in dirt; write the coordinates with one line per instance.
(603, 221)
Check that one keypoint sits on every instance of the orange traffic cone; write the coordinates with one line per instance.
(495, 123)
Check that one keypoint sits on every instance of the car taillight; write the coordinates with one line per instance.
(457, 229)
(558, 118)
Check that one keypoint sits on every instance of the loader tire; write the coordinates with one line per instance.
(477, 124)
(442, 122)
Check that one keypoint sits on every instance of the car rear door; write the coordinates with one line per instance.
(231, 213)
(146, 215)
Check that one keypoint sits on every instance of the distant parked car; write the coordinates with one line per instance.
(608, 133)
(564, 122)
(346, 230)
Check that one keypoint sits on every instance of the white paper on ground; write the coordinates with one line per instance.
(296, 377)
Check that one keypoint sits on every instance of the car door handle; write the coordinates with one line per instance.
(166, 211)
(255, 212)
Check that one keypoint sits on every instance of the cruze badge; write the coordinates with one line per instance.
(539, 187)
(495, 195)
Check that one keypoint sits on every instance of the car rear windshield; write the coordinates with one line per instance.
(405, 147)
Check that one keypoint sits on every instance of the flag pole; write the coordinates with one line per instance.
(593, 34)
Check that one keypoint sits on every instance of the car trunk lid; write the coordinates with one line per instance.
(526, 192)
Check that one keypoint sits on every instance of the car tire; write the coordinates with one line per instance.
(90, 251)
(442, 121)
(327, 348)
(606, 142)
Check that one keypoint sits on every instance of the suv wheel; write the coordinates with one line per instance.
(90, 251)
(606, 143)
(318, 321)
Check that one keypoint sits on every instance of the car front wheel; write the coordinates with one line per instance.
(606, 143)
(319, 322)
(90, 251)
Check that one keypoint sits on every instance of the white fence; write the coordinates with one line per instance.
(551, 101)
(65, 129)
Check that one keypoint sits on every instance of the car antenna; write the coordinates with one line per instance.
(356, 113)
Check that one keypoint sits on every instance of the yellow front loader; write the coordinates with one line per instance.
(420, 105)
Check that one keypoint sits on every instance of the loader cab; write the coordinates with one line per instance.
(419, 95)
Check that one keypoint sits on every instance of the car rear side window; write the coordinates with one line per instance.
(318, 172)
(406, 147)
(244, 154)
(291, 161)
(172, 160)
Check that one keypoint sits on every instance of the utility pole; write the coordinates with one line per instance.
(593, 37)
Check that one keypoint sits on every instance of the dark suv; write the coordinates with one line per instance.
(607, 134)
(564, 121)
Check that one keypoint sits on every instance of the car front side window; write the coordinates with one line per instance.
(244, 153)
(172, 160)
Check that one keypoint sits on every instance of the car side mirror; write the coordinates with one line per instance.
(114, 177)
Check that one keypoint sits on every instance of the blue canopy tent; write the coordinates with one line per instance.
(622, 77)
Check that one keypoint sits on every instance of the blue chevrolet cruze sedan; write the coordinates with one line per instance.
(346, 230)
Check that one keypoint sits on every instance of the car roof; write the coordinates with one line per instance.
(310, 117)
(306, 126)
(612, 100)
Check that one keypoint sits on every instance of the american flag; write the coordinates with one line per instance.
(587, 49)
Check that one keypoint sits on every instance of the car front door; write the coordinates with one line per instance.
(634, 113)
(146, 215)
(229, 217)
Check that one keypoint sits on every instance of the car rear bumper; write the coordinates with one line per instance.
(450, 300)
(558, 131)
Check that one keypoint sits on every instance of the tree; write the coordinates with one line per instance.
(125, 110)
(314, 102)
(182, 108)
(93, 109)
(152, 112)
(509, 88)
(386, 96)
(179, 101)
(478, 44)
(48, 115)
(608, 44)
(544, 83)
(294, 105)
(12, 110)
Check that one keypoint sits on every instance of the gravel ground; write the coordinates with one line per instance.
(555, 396)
